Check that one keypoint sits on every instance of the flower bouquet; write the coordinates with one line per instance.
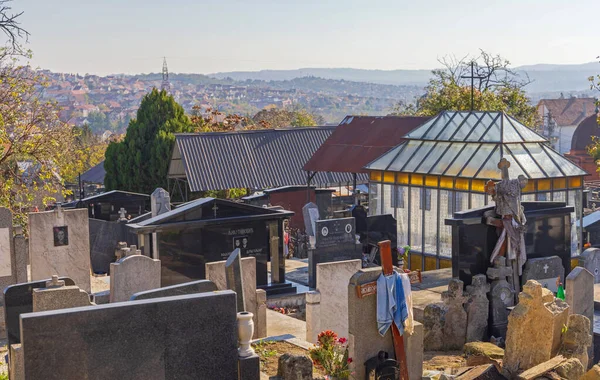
(331, 355)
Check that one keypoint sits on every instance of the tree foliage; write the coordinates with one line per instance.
(497, 88)
(140, 162)
(594, 148)
(281, 118)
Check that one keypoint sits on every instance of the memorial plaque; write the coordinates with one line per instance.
(333, 232)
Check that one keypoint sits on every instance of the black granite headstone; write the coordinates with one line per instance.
(335, 241)
(548, 234)
(183, 337)
(18, 299)
(381, 228)
(201, 286)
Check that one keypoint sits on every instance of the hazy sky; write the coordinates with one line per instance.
(131, 36)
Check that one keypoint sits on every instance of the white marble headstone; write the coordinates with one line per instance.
(59, 244)
(5, 261)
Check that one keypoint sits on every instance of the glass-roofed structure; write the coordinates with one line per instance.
(443, 167)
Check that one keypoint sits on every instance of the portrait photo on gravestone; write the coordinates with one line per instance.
(61, 235)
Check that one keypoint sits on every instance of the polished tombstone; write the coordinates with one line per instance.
(207, 230)
(183, 337)
(381, 228)
(335, 240)
(548, 234)
(18, 299)
(200, 286)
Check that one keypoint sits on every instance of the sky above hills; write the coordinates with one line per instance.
(132, 36)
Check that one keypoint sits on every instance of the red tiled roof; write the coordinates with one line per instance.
(358, 140)
(569, 111)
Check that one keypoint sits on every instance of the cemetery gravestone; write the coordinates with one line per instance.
(501, 296)
(160, 202)
(577, 339)
(21, 255)
(364, 341)
(455, 326)
(184, 337)
(335, 240)
(58, 296)
(234, 278)
(534, 328)
(7, 257)
(18, 299)
(548, 271)
(200, 286)
(332, 285)
(477, 309)
(433, 323)
(215, 272)
(133, 274)
(579, 294)
(590, 260)
(310, 212)
(59, 243)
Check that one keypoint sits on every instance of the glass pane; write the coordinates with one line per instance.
(461, 160)
(567, 166)
(382, 162)
(466, 127)
(571, 196)
(447, 158)
(431, 224)
(539, 155)
(419, 132)
(387, 199)
(543, 197)
(559, 196)
(433, 157)
(402, 215)
(477, 200)
(515, 170)
(510, 134)
(493, 133)
(526, 133)
(490, 169)
(404, 156)
(451, 127)
(521, 155)
(418, 157)
(439, 124)
(479, 130)
(374, 191)
(528, 197)
(478, 159)
(445, 231)
(416, 220)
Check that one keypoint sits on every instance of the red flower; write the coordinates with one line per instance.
(342, 340)
(349, 360)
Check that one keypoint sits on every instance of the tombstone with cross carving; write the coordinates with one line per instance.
(548, 271)
(510, 220)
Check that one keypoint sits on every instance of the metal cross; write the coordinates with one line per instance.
(215, 208)
(546, 268)
(122, 213)
(472, 77)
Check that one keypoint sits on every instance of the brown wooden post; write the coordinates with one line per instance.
(385, 252)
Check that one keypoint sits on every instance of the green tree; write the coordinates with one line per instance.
(303, 119)
(140, 162)
(496, 88)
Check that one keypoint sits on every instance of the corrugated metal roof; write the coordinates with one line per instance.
(95, 174)
(358, 140)
(257, 159)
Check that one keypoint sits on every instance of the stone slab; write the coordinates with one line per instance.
(332, 283)
(579, 294)
(182, 337)
(59, 244)
(133, 274)
(249, 368)
(18, 299)
(215, 272)
(5, 252)
(59, 298)
(590, 260)
(200, 286)
(310, 212)
(544, 270)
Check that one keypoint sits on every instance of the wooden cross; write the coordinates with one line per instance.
(473, 77)
(385, 252)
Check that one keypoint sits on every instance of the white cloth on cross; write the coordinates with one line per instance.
(515, 249)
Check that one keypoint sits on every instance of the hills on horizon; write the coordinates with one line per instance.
(546, 78)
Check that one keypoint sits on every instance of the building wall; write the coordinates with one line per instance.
(293, 201)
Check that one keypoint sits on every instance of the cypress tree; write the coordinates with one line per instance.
(140, 162)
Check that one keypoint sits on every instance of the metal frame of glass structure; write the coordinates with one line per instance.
(443, 167)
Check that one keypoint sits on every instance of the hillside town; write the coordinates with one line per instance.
(280, 226)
